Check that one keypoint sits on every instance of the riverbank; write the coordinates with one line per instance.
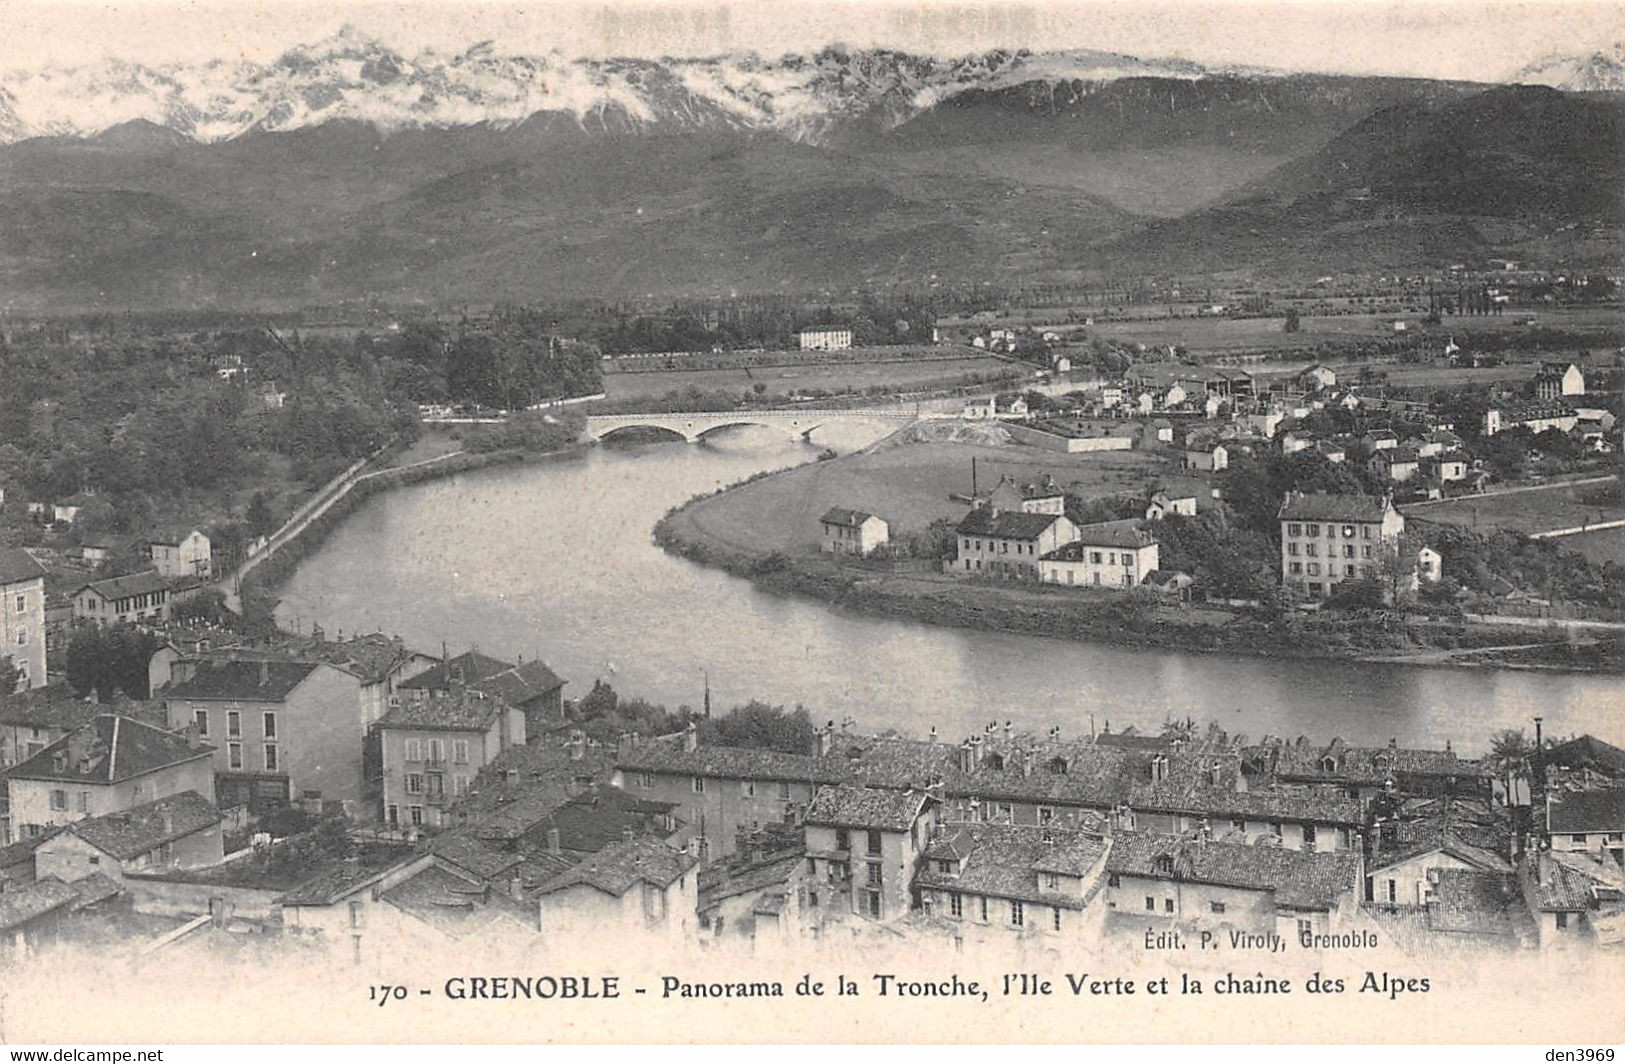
(919, 591)
(258, 589)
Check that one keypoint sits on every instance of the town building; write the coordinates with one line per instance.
(1396, 464)
(1040, 497)
(1158, 880)
(1558, 380)
(865, 843)
(22, 617)
(182, 554)
(991, 881)
(1537, 417)
(1206, 457)
(1117, 554)
(34, 719)
(1575, 898)
(112, 764)
(1008, 543)
(763, 895)
(824, 339)
(282, 731)
(137, 598)
(1164, 503)
(852, 532)
(1326, 539)
(1589, 821)
(181, 831)
(430, 750)
(450, 674)
(640, 884)
(1316, 378)
(533, 689)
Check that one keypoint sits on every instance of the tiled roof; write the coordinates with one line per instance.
(1586, 811)
(371, 657)
(1339, 762)
(120, 587)
(545, 775)
(1299, 879)
(21, 852)
(107, 750)
(866, 807)
(24, 904)
(720, 882)
(1568, 882)
(1434, 836)
(1104, 534)
(618, 868)
(1006, 524)
(523, 682)
(1003, 863)
(1221, 802)
(95, 888)
(839, 515)
(1396, 456)
(1587, 751)
(456, 906)
(146, 827)
(463, 711)
(54, 707)
(337, 876)
(1470, 902)
(18, 566)
(596, 817)
(1300, 506)
(243, 680)
(469, 668)
(463, 849)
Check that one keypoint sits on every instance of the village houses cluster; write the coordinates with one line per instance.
(353, 792)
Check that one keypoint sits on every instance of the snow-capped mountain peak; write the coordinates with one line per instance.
(1602, 71)
(353, 76)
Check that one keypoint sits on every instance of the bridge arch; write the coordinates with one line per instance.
(662, 433)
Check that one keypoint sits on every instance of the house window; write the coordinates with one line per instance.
(874, 904)
(874, 842)
(1578, 839)
(1309, 836)
(22, 636)
(1055, 918)
(414, 749)
(437, 751)
(1150, 904)
(414, 783)
(1052, 881)
(1562, 921)
(1167, 905)
(699, 784)
(234, 755)
(459, 751)
(59, 800)
(234, 723)
(747, 788)
(1018, 914)
(1297, 568)
(1294, 529)
(270, 757)
(1393, 892)
(873, 878)
(415, 815)
(201, 719)
(1305, 929)
(1314, 569)
(459, 785)
(1348, 531)
(1094, 557)
(84, 801)
(270, 725)
(1215, 907)
(22, 604)
(956, 906)
(1113, 881)
(1314, 530)
(843, 839)
(646, 780)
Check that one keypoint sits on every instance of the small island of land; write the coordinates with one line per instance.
(768, 530)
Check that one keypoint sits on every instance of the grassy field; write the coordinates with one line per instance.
(1605, 546)
(1559, 506)
(783, 379)
(909, 485)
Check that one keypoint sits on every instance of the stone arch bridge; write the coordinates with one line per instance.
(693, 426)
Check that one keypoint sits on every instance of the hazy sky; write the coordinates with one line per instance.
(1439, 38)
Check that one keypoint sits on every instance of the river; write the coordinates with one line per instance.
(554, 560)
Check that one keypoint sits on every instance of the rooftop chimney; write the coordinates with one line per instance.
(578, 745)
(516, 888)
(169, 822)
(511, 777)
(265, 673)
(967, 757)
(553, 841)
(825, 736)
(691, 738)
(1007, 731)
(932, 738)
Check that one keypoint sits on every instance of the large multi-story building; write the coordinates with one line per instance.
(865, 844)
(109, 765)
(281, 730)
(182, 554)
(825, 339)
(431, 748)
(1009, 543)
(125, 599)
(1326, 539)
(1109, 554)
(22, 617)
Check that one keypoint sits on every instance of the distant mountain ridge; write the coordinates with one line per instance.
(351, 76)
(1602, 71)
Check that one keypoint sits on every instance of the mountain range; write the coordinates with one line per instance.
(344, 169)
